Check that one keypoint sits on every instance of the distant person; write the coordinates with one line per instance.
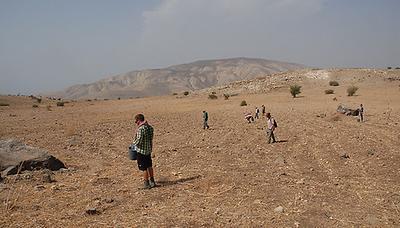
(271, 125)
(144, 144)
(248, 116)
(205, 120)
(263, 110)
(256, 116)
(361, 113)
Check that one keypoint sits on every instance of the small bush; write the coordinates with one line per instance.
(174, 94)
(4, 104)
(60, 103)
(213, 92)
(352, 90)
(35, 106)
(389, 68)
(243, 103)
(186, 93)
(334, 83)
(118, 98)
(226, 96)
(294, 90)
(329, 91)
(212, 96)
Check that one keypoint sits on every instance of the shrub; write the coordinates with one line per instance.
(60, 103)
(294, 90)
(4, 104)
(351, 90)
(226, 96)
(35, 106)
(186, 93)
(212, 96)
(243, 103)
(213, 92)
(174, 94)
(334, 83)
(329, 91)
(119, 98)
(389, 68)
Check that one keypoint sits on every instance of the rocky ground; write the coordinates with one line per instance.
(327, 170)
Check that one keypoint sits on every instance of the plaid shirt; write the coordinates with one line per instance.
(144, 139)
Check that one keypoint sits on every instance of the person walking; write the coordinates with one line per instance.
(205, 120)
(256, 116)
(361, 113)
(271, 125)
(263, 110)
(144, 145)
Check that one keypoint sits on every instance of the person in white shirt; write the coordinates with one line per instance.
(271, 125)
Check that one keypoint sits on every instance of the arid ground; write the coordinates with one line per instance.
(327, 170)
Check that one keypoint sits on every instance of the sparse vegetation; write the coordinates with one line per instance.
(389, 68)
(243, 103)
(295, 90)
(212, 96)
(60, 103)
(352, 90)
(226, 96)
(213, 92)
(333, 83)
(186, 93)
(4, 104)
(35, 106)
(174, 94)
(329, 91)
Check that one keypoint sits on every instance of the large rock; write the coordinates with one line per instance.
(15, 155)
(348, 111)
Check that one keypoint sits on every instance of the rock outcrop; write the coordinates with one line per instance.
(16, 156)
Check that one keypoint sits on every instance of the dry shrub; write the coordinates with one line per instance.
(334, 83)
(186, 93)
(4, 104)
(329, 91)
(352, 90)
(243, 103)
(212, 96)
(35, 106)
(226, 96)
(60, 103)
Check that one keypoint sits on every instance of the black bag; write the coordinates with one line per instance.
(132, 152)
(275, 124)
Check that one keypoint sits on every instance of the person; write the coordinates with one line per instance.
(256, 116)
(144, 144)
(248, 116)
(205, 120)
(263, 110)
(271, 125)
(361, 113)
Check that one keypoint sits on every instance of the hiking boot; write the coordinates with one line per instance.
(146, 185)
(152, 183)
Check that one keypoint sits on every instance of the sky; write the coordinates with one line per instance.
(49, 45)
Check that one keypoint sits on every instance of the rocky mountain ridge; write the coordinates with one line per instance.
(185, 77)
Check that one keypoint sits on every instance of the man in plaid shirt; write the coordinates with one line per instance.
(144, 144)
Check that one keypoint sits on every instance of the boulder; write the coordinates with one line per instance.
(347, 111)
(15, 157)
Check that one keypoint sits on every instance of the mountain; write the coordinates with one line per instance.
(185, 77)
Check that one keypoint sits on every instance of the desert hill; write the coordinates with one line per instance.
(178, 78)
(327, 170)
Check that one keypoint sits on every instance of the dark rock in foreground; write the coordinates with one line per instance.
(15, 157)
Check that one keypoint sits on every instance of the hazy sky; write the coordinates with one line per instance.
(48, 45)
